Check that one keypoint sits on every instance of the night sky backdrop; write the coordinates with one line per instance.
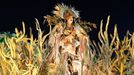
(12, 13)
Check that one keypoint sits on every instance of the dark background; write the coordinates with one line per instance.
(12, 13)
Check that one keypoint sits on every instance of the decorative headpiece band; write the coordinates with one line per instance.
(64, 11)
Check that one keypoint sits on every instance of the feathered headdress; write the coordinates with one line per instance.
(64, 11)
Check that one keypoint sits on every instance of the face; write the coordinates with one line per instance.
(70, 20)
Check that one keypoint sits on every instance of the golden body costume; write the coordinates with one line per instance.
(68, 41)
